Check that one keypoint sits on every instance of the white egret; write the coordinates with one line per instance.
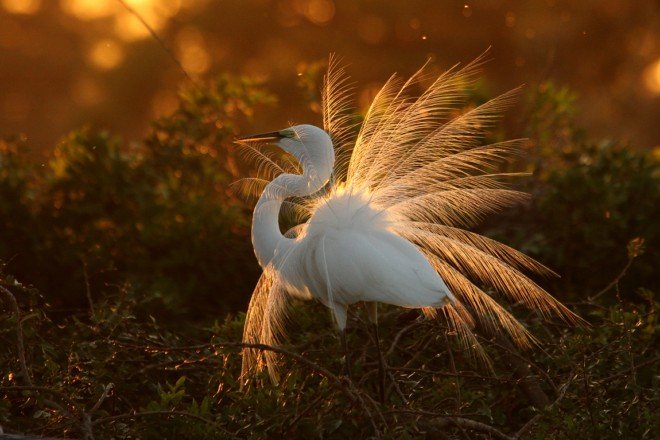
(385, 214)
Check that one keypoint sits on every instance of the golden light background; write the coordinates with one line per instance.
(66, 63)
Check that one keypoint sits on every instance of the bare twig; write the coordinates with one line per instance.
(156, 413)
(106, 392)
(156, 37)
(344, 384)
(628, 370)
(319, 369)
(54, 405)
(398, 336)
(462, 422)
(528, 382)
(627, 332)
(527, 426)
(366, 410)
(54, 392)
(303, 412)
(20, 346)
(465, 374)
(88, 290)
(615, 281)
(397, 388)
(453, 370)
(510, 349)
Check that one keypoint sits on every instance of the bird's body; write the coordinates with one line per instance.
(383, 215)
(348, 252)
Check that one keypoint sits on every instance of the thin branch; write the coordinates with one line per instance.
(303, 412)
(528, 382)
(157, 413)
(527, 426)
(628, 370)
(19, 335)
(319, 369)
(398, 337)
(397, 388)
(454, 371)
(20, 388)
(526, 361)
(157, 38)
(615, 281)
(462, 422)
(106, 392)
(54, 405)
(344, 384)
(88, 290)
(469, 375)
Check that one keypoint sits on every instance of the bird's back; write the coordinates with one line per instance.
(348, 252)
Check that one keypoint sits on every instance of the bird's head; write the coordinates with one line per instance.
(309, 144)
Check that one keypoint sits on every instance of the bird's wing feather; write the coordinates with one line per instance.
(264, 324)
(375, 266)
(423, 160)
(338, 118)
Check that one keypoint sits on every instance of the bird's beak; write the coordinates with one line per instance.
(263, 137)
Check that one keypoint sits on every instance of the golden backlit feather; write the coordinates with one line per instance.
(264, 324)
(338, 117)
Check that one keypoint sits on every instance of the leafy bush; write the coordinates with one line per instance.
(157, 214)
(588, 201)
(121, 377)
(134, 235)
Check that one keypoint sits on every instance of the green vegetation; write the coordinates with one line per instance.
(125, 268)
(158, 215)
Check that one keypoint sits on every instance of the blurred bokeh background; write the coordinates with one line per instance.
(125, 251)
(66, 63)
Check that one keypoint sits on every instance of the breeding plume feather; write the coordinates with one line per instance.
(384, 213)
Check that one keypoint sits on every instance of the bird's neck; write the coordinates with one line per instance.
(267, 238)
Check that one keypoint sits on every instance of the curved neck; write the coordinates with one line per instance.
(267, 238)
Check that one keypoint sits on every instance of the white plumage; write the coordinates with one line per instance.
(348, 252)
(382, 214)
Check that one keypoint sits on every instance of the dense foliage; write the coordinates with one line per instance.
(158, 214)
(126, 237)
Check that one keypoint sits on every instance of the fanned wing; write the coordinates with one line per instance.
(423, 160)
(338, 119)
(399, 126)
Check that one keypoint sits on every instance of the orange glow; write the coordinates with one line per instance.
(21, 6)
(129, 28)
(192, 51)
(655, 152)
(652, 77)
(372, 29)
(16, 106)
(88, 9)
(320, 11)
(164, 103)
(510, 19)
(106, 54)
(86, 92)
(166, 9)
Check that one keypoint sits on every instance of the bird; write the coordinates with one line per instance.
(384, 211)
